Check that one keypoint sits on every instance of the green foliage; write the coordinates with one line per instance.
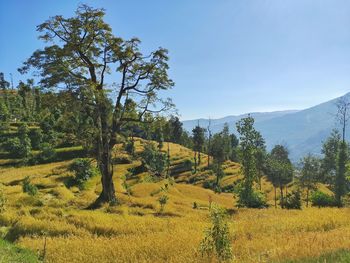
(83, 170)
(28, 187)
(47, 153)
(340, 179)
(310, 174)
(292, 200)
(36, 137)
(279, 169)
(248, 197)
(330, 151)
(216, 241)
(251, 144)
(12, 146)
(321, 199)
(154, 160)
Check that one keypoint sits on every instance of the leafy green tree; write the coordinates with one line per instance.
(330, 151)
(26, 146)
(340, 178)
(250, 141)
(81, 52)
(279, 170)
(175, 129)
(310, 174)
(234, 145)
(198, 142)
(154, 160)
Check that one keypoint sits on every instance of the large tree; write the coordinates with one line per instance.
(251, 144)
(81, 51)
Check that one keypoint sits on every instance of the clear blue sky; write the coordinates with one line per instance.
(227, 56)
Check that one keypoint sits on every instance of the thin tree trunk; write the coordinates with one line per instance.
(195, 161)
(275, 196)
(282, 201)
(307, 197)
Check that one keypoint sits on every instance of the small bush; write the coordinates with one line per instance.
(293, 200)
(83, 170)
(217, 241)
(321, 199)
(28, 187)
(251, 198)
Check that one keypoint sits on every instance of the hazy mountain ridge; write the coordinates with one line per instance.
(301, 131)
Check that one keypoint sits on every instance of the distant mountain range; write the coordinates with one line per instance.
(302, 131)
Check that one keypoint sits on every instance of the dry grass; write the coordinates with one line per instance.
(134, 231)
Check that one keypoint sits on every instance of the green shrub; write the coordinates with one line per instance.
(321, 199)
(47, 153)
(12, 146)
(217, 241)
(293, 200)
(36, 137)
(251, 198)
(28, 187)
(83, 170)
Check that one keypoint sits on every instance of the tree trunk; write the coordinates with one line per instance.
(307, 197)
(282, 201)
(208, 152)
(275, 196)
(199, 158)
(195, 161)
(104, 153)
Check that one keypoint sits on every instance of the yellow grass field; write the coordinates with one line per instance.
(135, 231)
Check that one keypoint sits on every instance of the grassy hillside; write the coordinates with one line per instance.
(135, 231)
